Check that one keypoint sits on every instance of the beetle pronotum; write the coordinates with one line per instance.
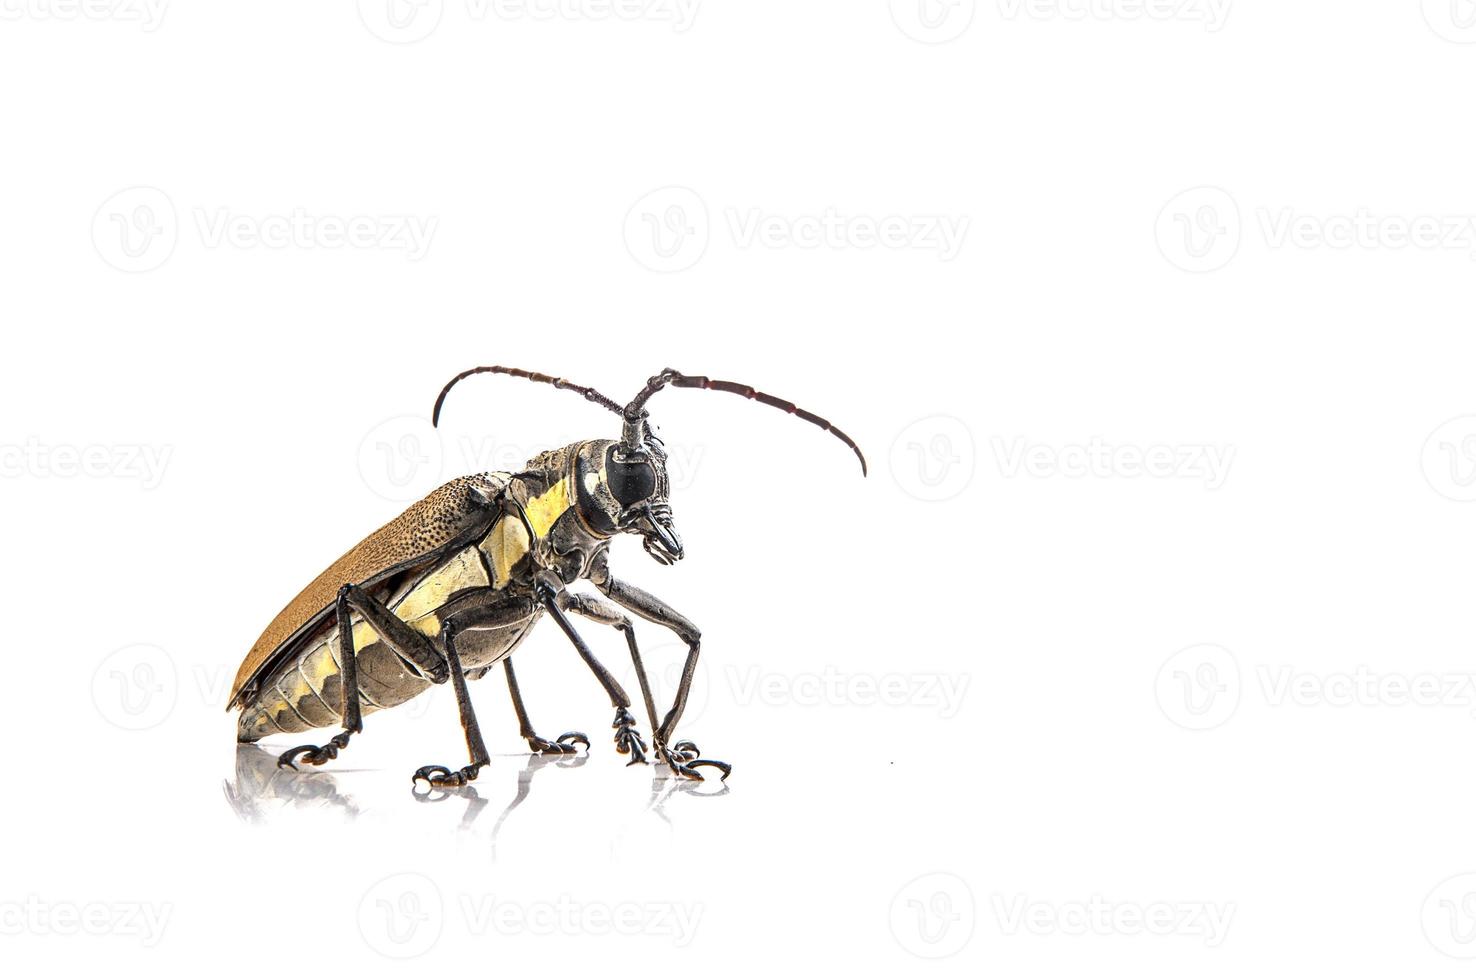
(448, 589)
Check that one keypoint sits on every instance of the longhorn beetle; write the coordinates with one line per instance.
(451, 587)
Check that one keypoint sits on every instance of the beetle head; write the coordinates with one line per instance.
(625, 490)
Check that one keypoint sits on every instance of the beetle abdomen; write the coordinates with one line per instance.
(307, 691)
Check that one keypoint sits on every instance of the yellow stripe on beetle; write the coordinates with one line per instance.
(508, 542)
(546, 508)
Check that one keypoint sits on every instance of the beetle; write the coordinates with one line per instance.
(453, 586)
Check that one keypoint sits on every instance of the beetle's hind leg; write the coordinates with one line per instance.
(397, 635)
(441, 776)
(563, 745)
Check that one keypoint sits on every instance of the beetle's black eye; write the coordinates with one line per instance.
(630, 483)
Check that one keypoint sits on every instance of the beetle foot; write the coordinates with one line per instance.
(313, 755)
(686, 751)
(628, 741)
(682, 759)
(441, 777)
(565, 744)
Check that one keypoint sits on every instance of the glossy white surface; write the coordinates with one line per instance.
(1144, 651)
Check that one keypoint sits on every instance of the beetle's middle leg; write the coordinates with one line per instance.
(399, 636)
(477, 610)
(563, 745)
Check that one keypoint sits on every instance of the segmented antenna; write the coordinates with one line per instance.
(588, 393)
(676, 379)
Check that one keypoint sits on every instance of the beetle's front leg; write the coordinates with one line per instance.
(550, 592)
(682, 757)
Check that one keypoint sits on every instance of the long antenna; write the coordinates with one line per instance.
(677, 379)
(589, 393)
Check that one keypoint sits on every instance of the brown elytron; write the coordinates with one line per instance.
(451, 587)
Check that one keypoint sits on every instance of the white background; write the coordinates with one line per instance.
(1213, 720)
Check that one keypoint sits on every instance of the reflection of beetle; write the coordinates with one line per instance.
(454, 584)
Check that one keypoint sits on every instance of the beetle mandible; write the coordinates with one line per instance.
(452, 586)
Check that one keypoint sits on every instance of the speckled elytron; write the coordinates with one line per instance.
(450, 588)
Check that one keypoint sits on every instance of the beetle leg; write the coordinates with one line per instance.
(681, 757)
(525, 727)
(603, 612)
(628, 741)
(406, 642)
(501, 611)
